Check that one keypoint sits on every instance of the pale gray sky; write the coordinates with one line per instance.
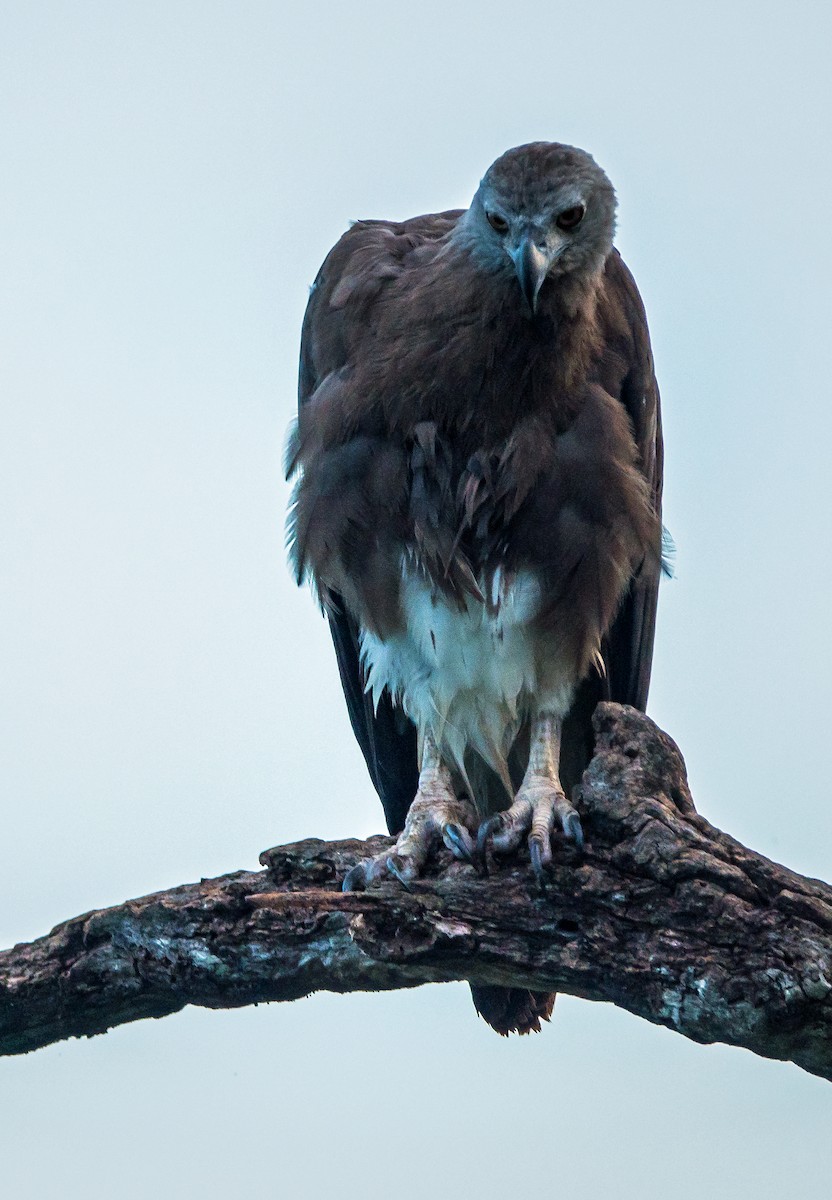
(173, 174)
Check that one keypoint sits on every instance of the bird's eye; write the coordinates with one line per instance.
(570, 218)
(498, 224)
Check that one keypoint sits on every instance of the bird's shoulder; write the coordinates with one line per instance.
(352, 277)
(622, 315)
(371, 252)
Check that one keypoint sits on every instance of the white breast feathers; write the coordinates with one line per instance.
(469, 676)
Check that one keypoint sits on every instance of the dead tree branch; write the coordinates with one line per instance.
(662, 914)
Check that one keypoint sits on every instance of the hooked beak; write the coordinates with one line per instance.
(531, 264)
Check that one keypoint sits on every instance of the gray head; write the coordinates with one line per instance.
(547, 209)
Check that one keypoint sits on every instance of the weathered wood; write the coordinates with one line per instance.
(662, 914)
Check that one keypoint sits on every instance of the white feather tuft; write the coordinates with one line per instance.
(468, 676)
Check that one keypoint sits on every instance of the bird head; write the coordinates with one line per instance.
(546, 210)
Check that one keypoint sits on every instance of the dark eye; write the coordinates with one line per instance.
(498, 224)
(570, 218)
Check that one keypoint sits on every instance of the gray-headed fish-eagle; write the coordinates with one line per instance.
(478, 505)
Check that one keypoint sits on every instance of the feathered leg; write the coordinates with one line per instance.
(436, 815)
(539, 803)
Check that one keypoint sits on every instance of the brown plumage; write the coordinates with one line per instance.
(479, 463)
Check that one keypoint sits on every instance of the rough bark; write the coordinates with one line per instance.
(661, 914)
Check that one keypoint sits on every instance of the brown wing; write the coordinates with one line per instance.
(338, 320)
(628, 649)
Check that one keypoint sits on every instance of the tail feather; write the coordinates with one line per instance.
(512, 1010)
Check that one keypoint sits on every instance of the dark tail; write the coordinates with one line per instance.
(512, 1010)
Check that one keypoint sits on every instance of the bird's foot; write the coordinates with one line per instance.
(539, 805)
(436, 815)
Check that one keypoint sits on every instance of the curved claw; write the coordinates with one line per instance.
(459, 842)
(489, 826)
(395, 866)
(355, 879)
(573, 830)
(536, 855)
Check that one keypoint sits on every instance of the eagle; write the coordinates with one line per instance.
(477, 505)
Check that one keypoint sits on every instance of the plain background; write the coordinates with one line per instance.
(173, 174)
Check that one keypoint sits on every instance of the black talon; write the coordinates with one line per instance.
(574, 830)
(456, 836)
(395, 867)
(355, 879)
(536, 853)
(489, 826)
